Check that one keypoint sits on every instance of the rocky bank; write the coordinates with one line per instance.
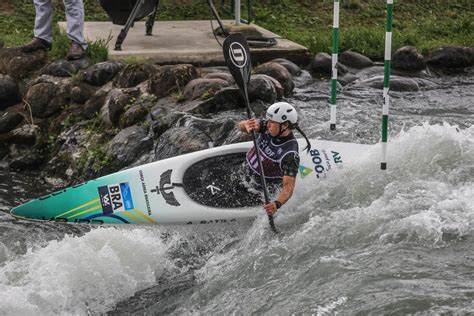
(76, 121)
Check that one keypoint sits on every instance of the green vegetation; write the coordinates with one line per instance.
(425, 24)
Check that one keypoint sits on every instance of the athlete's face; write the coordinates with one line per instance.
(274, 128)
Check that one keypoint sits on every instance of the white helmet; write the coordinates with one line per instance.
(281, 112)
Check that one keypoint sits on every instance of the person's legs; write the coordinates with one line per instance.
(42, 30)
(43, 20)
(75, 21)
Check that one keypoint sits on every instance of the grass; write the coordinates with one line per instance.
(425, 24)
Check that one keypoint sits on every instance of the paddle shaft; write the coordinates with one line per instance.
(260, 165)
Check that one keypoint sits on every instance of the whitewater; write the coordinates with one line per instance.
(362, 241)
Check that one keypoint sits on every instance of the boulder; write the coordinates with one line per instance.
(280, 73)
(129, 144)
(408, 58)
(451, 57)
(95, 103)
(133, 74)
(24, 135)
(115, 103)
(355, 60)
(322, 64)
(396, 83)
(197, 87)
(9, 92)
(163, 118)
(19, 65)
(134, 115)
(225, 99)
(9, 120)
(220, 75)
(81, 92)
(180, 140)
(262, 88)
(25, 158)
(171, 78)
(45, 99)
(64, 68)
(292, 68)
(101, 73)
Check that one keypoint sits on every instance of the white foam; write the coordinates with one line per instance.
(78, 275)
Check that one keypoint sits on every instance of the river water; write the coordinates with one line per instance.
(363, 241)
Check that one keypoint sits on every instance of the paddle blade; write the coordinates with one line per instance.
(237, 58)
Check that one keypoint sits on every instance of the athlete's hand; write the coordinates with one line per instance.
(252, 125)
(270, 208)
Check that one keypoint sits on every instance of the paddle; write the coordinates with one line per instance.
(237, 57)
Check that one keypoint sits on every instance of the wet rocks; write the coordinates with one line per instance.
(133, 74)
(9, 120)
(408, 58)
(9, 92)
(129, 144)
(101, 73)
(19, 65)
(280, 73)
(322, 64)
(451, 57)
(170, 78)
(203, 87)
(354, 60)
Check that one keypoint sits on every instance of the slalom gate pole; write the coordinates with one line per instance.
(335, 48)
(386, 82)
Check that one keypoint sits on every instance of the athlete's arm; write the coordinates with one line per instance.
(247, 126)
(285, 194)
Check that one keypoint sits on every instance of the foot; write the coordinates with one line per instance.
(36, 44)
(75, 51)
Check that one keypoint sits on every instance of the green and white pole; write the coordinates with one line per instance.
(335, 49)
(386, 82)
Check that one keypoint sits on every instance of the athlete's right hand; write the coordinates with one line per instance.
(252, 125)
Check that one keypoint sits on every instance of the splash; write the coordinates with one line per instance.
(80, 275)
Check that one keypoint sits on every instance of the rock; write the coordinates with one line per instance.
(292, 68)
(19, 65)
(347, 79)
(24, 135)
(225, 99)
(129, 144)
(163, 118)
(9, 92)
(322, 64)
(170, 78)
(262, 88)
(65, 68)
(180, 140)
(451, 57)
(133, 74)
(115, 104)
(278, 72)
(81, 92)
(134, 115)
(408, 58)
(45, 99)
(26, 158)
(95, 103)
(396, 83)
(9, 120)
(220, 75)
(216, 129)
(355, 60)
(196, 88)
(101, 73)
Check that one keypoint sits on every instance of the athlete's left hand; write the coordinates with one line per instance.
(270, 208)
